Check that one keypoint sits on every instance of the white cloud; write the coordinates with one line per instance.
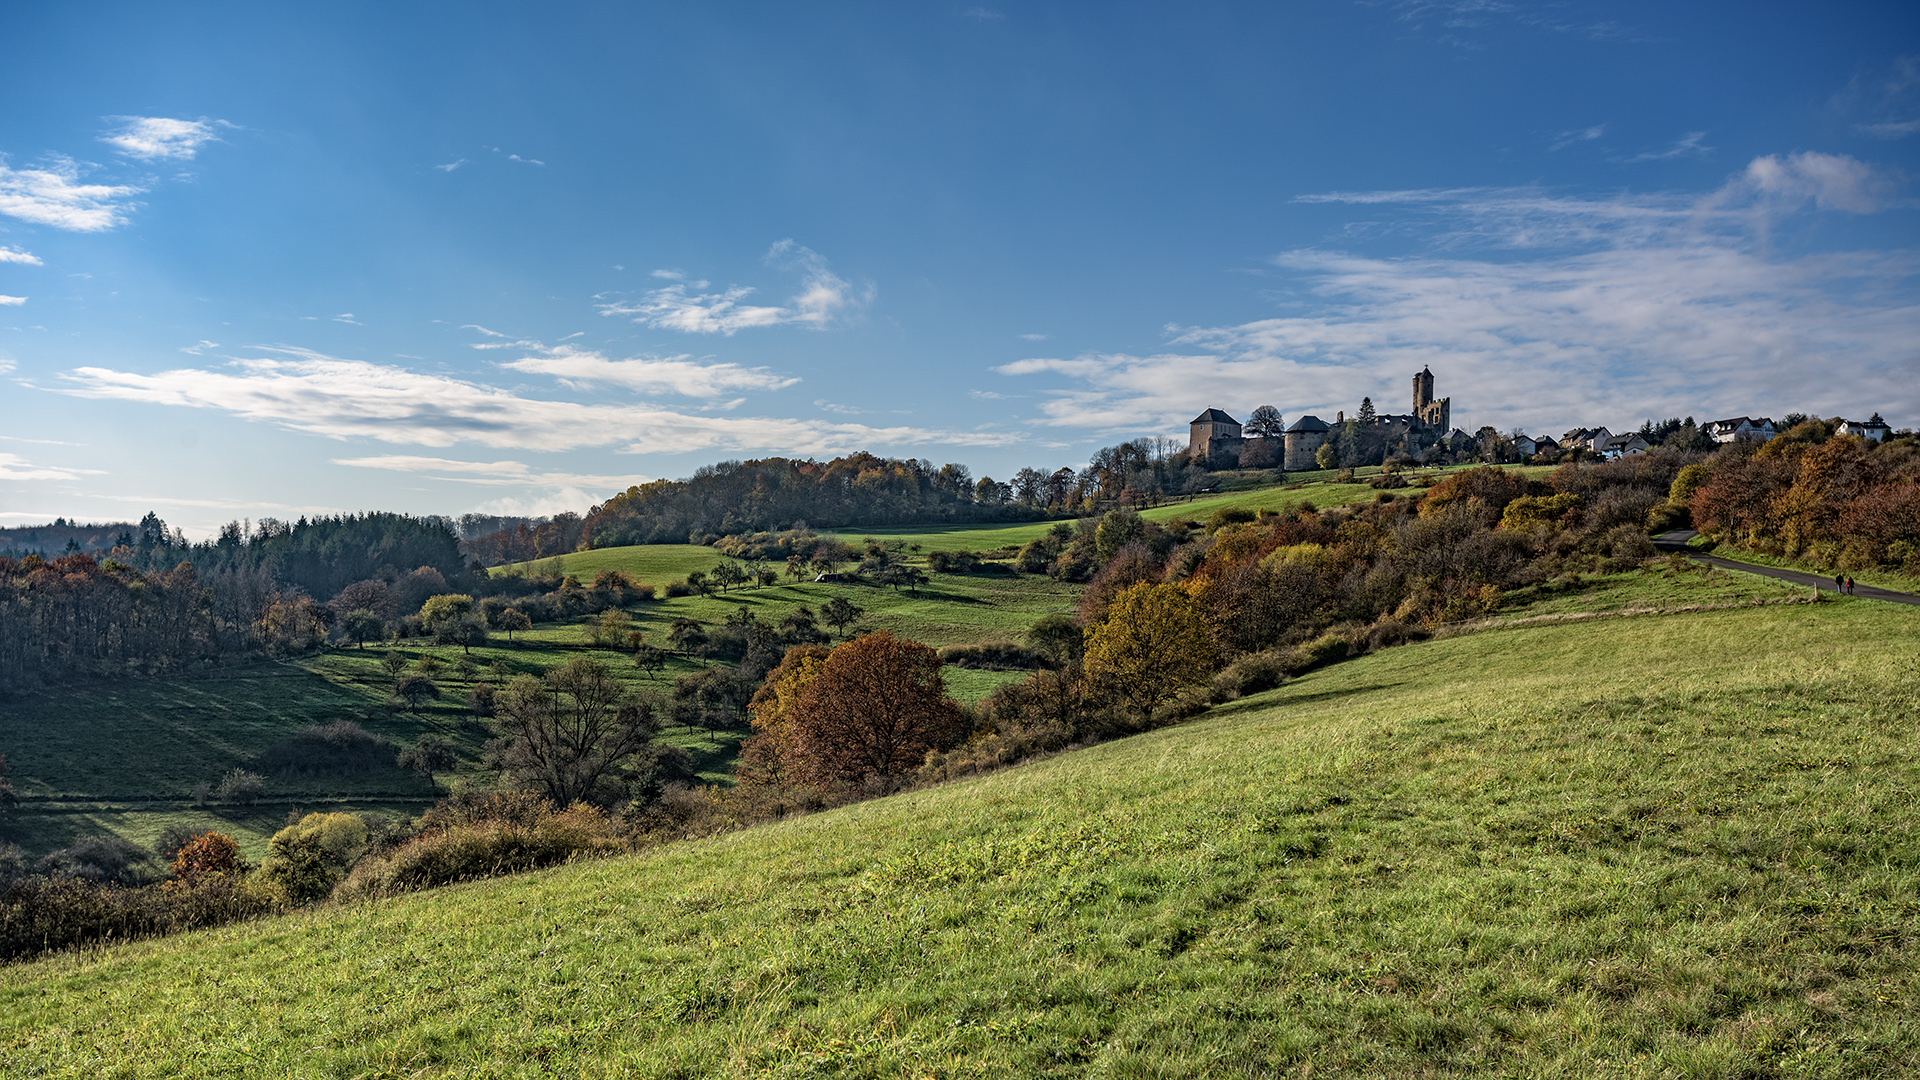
(649, 374)
(451, 165)
(490, 473)
(1035, 337)
(199, 348)
(1686, 146)
(1640, 307)
(346, 317)
(525, 161)
(54, 196)
(323, 395)
(12, 301)
(980, 14)
(823, 298)
(1830, 181)
(15, 255)
(157, 138)
(15, 467)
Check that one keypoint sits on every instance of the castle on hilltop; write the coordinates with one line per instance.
(1217, 441)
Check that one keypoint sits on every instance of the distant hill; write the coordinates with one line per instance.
(63, 537)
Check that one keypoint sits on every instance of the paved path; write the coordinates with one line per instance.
(1676, 543)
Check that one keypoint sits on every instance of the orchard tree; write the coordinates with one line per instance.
(466, 631)
(841, 613)
(575, 734)
(362, 626)
(877, 707)
(1152, 645)
(446, 606)
(514, 619)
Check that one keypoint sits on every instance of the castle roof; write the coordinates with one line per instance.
(1214, 416)
(1309, 423)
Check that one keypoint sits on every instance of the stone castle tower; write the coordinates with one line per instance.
(1427, 412)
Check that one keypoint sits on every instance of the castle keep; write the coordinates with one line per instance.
(1217, 440)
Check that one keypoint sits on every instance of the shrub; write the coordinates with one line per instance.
(429, 754)
(99, 858)
(240, 786)
(480, 699)
(306, 859)
(1228, 515)
(991, 655)
(45, 914)
(678, 588)
(339, 748)
(1250, 674)
(483, 837)
(207, 853)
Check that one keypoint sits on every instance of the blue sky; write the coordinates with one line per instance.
(441, 258)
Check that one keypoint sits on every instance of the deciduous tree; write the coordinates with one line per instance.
(574, 735)
(876, 708)
(1151, 646)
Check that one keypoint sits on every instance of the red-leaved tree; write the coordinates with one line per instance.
(875, 709)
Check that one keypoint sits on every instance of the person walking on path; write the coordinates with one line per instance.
(1839, 583)
(1849, 584)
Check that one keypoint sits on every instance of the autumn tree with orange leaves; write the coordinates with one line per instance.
(877, 706)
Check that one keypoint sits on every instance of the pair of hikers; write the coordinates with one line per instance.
(1844, 585)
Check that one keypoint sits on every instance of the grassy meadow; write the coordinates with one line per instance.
(1680, 845)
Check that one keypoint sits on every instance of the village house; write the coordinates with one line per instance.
(1740, 427)
(1873, 430)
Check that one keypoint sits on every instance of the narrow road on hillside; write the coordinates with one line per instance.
(1676, 543)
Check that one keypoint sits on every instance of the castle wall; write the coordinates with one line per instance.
(1301, 446)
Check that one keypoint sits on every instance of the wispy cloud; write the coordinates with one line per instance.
(1685, 146)
(15, 255)
(199, 348)
(489, 473)
(981, 14)
(823, 299)
(1578, 135)
(12, 301)
(1886, 103)
(1035, 337)
(525, 161)
(310, 392)
(451, 165)
(55, 196)
(346, 317)
(648, 374)
(158, 138)
(1643, 306)
(15, 467)
(1455, 21)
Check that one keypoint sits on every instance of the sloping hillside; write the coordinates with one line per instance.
(1652, 846)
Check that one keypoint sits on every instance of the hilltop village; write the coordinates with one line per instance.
(1424, 436)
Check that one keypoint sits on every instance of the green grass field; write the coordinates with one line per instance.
(1679, 846)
